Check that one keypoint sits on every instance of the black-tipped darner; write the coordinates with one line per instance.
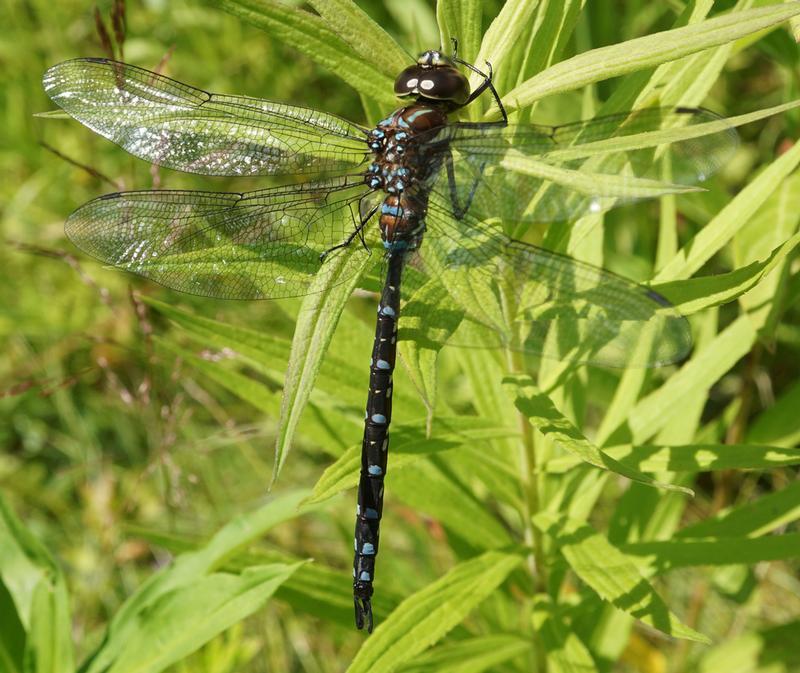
(457, 185)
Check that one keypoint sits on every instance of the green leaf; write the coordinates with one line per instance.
(49, 645)
(319, 315)
(659, 409)
(759, 651)
(539, 409)
(659, 557)
(470, 656)
(12, 635)
(773, 224)
(407, 445)
(691, 457)
(612, 574)
(460, 19)
(424, 329)
(730, 219)
(312, 36)
(503, 34)
(180, 621)
(643, 52)
(565, 651)
(427, 487)
(761, 516)
(556, 21)
(661, 137)
(426, 616)
(189, 571)
(365, 37)
(37, 592)
(244, 387)
(780, 423)
(586, 182)
(696, 294)
(260, 349)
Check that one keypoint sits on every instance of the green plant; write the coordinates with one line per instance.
(559, 503)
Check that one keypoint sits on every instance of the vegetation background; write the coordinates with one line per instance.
(137, 429)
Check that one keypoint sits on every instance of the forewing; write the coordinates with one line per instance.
(175, 125)
(256, 245)
(527, 298)
(529, 173)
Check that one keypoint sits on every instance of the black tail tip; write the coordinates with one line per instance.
(363, 609)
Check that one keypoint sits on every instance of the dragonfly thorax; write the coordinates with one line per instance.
(403, 167)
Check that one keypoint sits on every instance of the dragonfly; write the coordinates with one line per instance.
(450, 202)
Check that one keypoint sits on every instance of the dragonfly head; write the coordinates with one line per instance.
(433, 77)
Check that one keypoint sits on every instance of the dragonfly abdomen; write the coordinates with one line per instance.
(402, 221)
(375, 444)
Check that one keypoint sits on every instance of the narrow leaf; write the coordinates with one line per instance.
(780, 423)
(312, 36)
(244, 387)
(644, 52)
(460, 19)
(751, 519)
(427, 487)
(37, 589)
(659, 557)
(367, 38)
(539, 409)
(470, 656)
(425, 617)
(658, 409)
(503, 34)
(691, 457)
(408, 444)
(695, 294)
(183, 620)
(315, 326)
(730, 219)
(424, 329)
(188, 571)
(612, 574)
(565, 651)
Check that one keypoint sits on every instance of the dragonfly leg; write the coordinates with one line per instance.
(358, 231)
(455, 48)
(459, 210)
(486, 84)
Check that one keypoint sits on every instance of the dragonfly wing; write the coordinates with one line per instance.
(527, 298)
(528, 173)
(175, 125)
(257, 245)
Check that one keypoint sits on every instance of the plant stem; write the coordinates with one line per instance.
(529, 483)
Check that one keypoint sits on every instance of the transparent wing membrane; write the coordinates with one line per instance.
(178, 126)
(533, 173)
(256, 245)
(480, 178)
(526, 298)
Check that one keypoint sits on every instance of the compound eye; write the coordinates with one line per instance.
(444, 83)
(407, 82)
